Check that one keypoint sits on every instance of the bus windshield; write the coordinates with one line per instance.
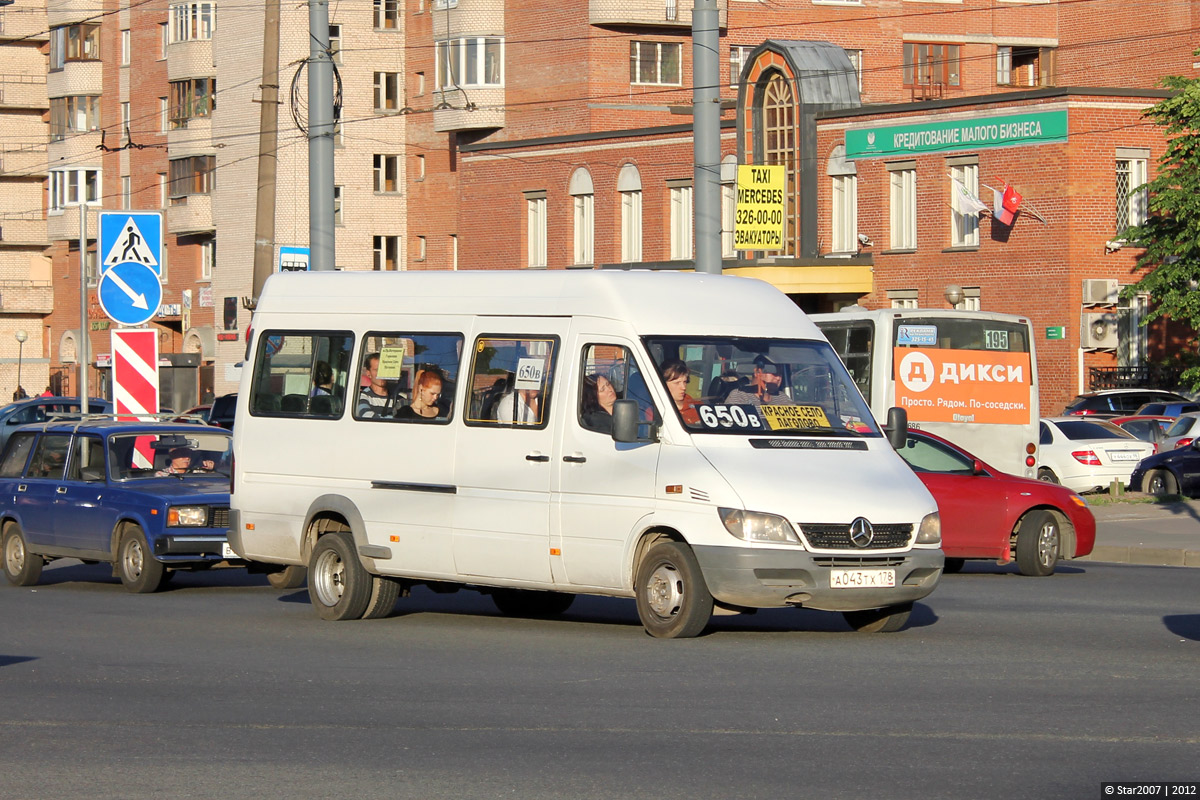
(742, 385)
(960, 333)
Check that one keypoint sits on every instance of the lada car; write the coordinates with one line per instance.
(148, 498)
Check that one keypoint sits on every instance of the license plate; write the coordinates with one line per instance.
(1124, 455)
(227, 551)
(862, 578)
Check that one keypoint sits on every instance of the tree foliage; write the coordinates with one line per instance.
(1171, 233)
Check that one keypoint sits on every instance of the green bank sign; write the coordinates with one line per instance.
(963, 134)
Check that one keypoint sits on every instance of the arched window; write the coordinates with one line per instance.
(584, 196)
(629, 186)
(779, 140)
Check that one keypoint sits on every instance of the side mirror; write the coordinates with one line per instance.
(977, 467)
(627, 427)
(1196, 444)
(897, 427)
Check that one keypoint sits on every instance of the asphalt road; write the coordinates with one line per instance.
(1002, 687)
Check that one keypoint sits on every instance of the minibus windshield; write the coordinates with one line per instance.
(746, 385)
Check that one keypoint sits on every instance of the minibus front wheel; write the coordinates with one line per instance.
(673, 601)
(879, 620)
(338, 585)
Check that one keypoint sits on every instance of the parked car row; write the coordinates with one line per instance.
(1119, 402)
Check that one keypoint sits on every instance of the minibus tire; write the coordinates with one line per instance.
(290, 577)
(1046, 474)
(338, 586)
(139, 570)
(534, 604)
(673, 601)
(953, 565)
(1038, 542)
(21, 567)
(879, 620)
(384, 592)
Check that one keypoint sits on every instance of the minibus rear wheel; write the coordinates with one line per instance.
(879, 620)
(673, 600)
(338, 585)
(528, 603)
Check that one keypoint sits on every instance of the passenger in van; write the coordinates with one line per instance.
(322, 380)
(375, 399)
(520, 407)
(765, 388)
(675, 375)
(427, 391)
(596, 404)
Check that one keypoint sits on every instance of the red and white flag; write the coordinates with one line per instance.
(1006, 203)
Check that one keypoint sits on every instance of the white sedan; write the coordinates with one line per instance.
(1087, 454)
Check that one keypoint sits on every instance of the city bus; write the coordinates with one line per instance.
(969, 376)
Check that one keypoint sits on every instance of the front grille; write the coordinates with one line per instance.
(824, 536)
(218, 517)
(858, 561)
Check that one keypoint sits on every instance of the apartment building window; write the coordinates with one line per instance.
(629, 186)
(964, 222)
(845, 213)
(681, 219)
(535, 222)
(902, 209)
(728, 206)
(656, 63)
(75, 114)
(1025, 66)
(387, 14)
(190, 22)
(190, 176)
(89, 267)
(387, 253)
(970, 301)
(442, 5)
(162, 189)
(421, 251)
(74, 43)
(387, 174)
(420, 170)
(164, 38)
(387, 91)
(191, 99)
(126, 191)
(419, 80)
(337, 206)
(931, 64)
(164, 114)
(208, 258)
(856, 57)
(471, 61)
(125, 47)
(1132, 200)
(738, 53)
(70, 187)
(453, 251)
(125, 119)
(584, 205)
(903, 298)
(335, 43)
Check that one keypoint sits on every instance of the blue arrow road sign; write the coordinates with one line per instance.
(131, 236)
(129, 292)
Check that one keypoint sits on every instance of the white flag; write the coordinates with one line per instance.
(965, 202)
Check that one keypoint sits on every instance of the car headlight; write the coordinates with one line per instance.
(754, 526)
(930, 531)
(187, 516)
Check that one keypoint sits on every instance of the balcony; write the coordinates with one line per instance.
(23, 92)
(24, 160)
(64, 12)
(23, 229)
(468, 109)
(64, 225)
(26, 297)
(653, 13)
(192, 59)
(192, 215)
(195, 138)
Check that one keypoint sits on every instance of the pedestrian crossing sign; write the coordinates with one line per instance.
(129, 236)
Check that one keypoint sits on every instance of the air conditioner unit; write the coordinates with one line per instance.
(1099, 331)
(1100, 292)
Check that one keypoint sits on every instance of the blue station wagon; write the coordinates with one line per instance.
(149, 498)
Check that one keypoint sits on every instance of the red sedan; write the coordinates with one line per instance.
(991, 514)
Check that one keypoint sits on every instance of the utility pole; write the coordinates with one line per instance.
(706, 135)
(82, 347)
(268, 159)
(320, 138)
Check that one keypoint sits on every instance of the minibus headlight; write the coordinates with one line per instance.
(753, 526)
(187, 516)
(930, 531)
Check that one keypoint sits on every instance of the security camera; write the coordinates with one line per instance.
(1113, 246)
(865, 240)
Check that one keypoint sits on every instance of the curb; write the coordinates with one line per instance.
(1143, 556)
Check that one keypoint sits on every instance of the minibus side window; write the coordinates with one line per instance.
(611, 373)
(301, 374)
(512, 379)
(407, 377)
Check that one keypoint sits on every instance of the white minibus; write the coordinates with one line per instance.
(691, 441)
(970, 376)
